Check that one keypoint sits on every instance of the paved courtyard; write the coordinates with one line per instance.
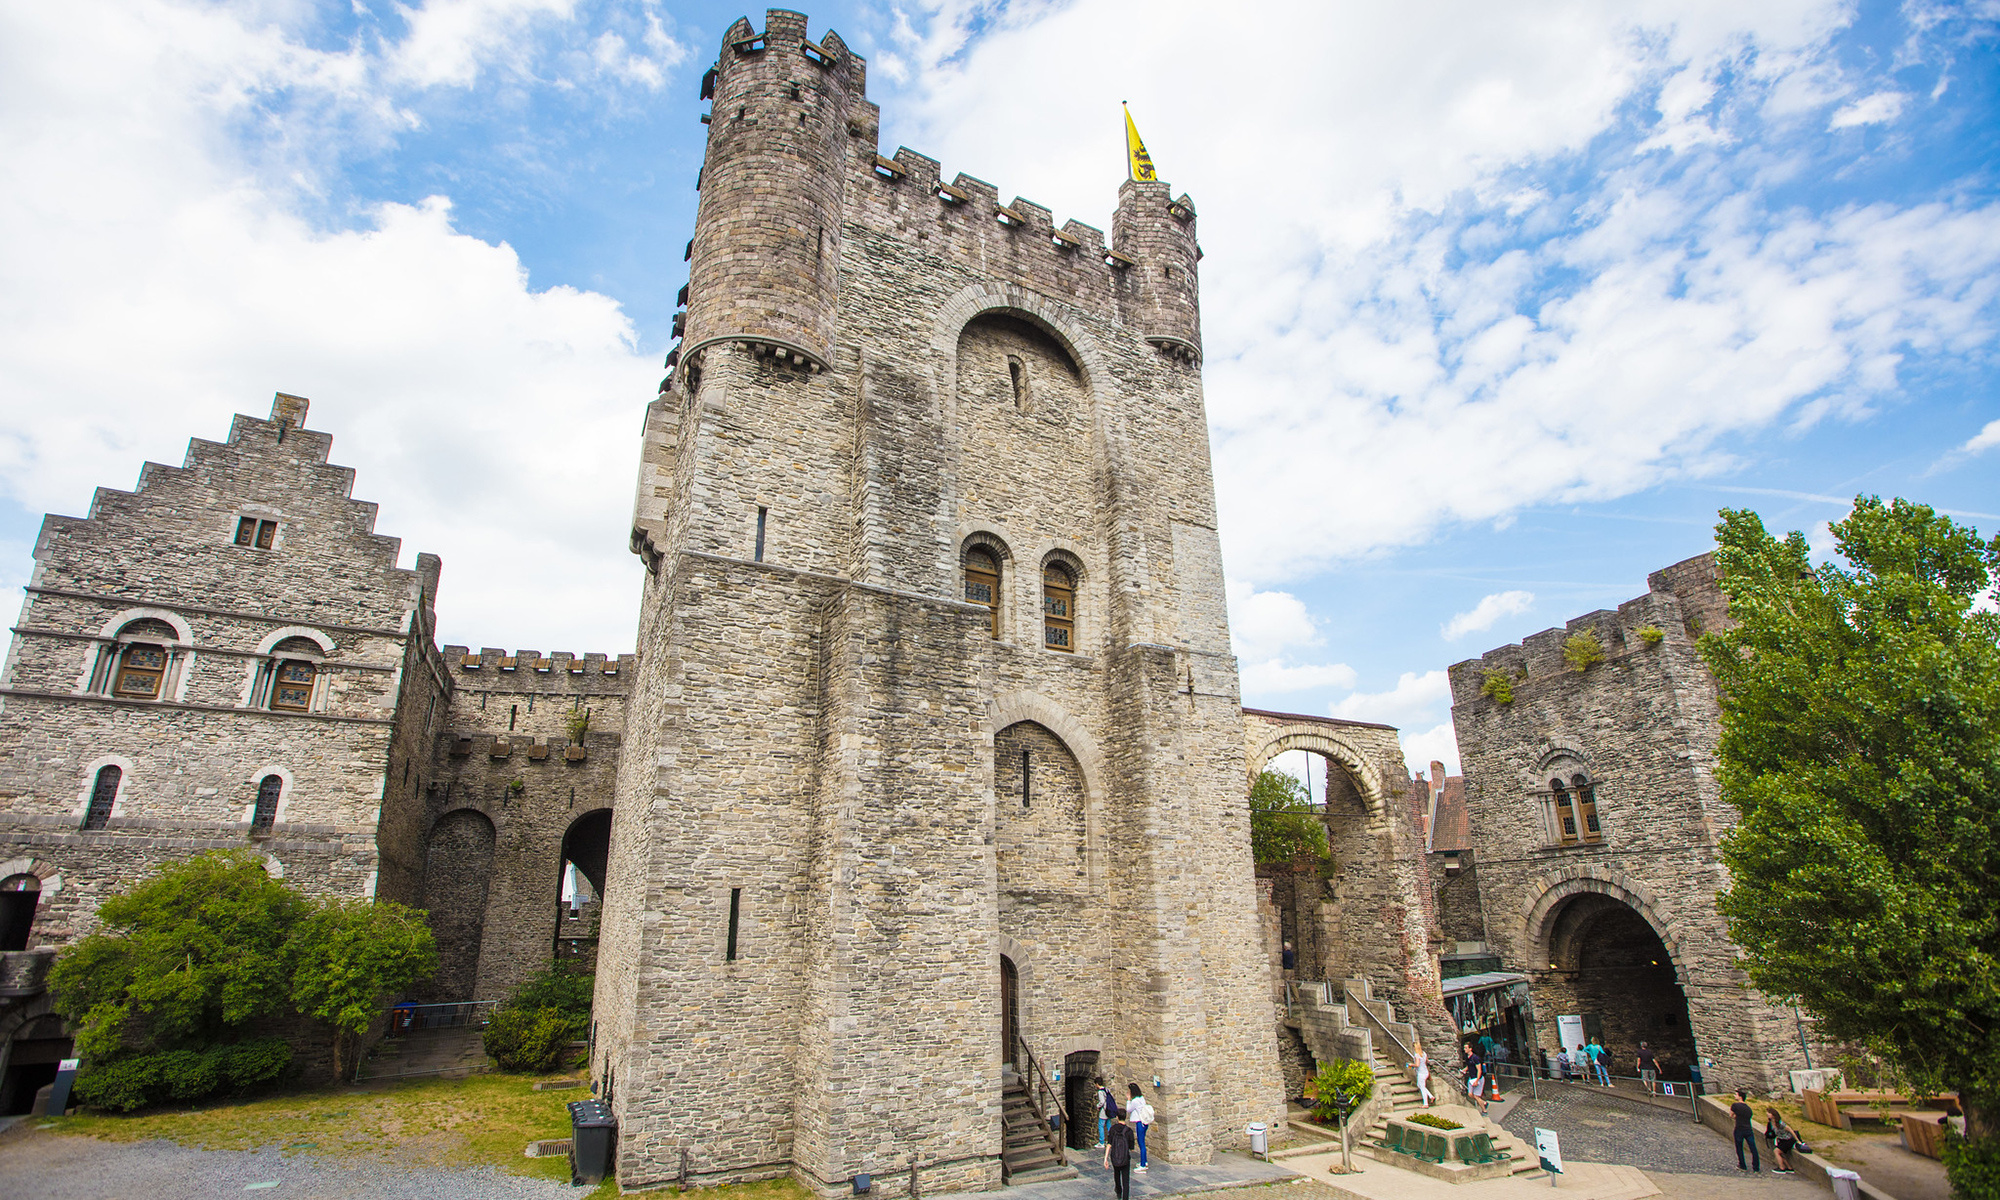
(1597, 1128)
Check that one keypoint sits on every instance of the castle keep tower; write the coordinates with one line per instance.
(933, 767)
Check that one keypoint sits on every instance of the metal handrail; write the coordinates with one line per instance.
(455, 1014)
(1038, 1080)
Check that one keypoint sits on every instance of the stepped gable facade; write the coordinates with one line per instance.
(933, 773)
(228, 657)
(1594, 818)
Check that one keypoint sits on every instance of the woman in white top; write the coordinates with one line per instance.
(1424, 1076)
(1140, 1113)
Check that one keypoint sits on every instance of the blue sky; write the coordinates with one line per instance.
(1501, 303)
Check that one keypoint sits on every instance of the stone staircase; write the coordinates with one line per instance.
(1026, 1152)
(440, 1052)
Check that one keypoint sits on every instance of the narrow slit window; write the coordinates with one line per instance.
(735, 912)
(762, 514)
(266, 813)
(982, 584)
(1026, 792)
(1058, 608)
(103, 795)
(1018, 372)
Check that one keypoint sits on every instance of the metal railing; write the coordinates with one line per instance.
(458, 1014)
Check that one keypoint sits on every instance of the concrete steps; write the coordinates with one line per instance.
(439, 1052)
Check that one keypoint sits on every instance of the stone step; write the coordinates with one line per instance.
(1041, 1175)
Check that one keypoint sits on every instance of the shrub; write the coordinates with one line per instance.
(1582, 649)
(532, 1039)
(1499, 685)
(576, 723)
(143, 1080)
(1343, 1076)
(1652, 635)
(1435, 1122)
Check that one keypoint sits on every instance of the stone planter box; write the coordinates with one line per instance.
(1447, 1154)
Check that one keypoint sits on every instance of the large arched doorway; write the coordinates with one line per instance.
(586, 849)
(1610, 971)
(1010, 1009)
(37, 1049)
(458, 866)
(1328, 904)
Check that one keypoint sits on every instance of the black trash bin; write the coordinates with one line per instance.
(593, 1135)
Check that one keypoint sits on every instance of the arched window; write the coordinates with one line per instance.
(1058, 607)
(982, 583)
(1576, 810)
(18, 896)
(103, 794)
(141, 667)
(292, 678)
(1585, 799)
(266, 813)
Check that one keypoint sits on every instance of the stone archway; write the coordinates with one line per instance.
(1612, 963)
(1267, 744)
(458, 867)
(586, 849)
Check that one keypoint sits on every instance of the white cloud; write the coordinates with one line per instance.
(1436, 744)
(1264, 625)
(449, 42)
(152, 282)
(1414, 699)
(1489, 609)
(1274, 678)
(1878, 109)
(1986, 439)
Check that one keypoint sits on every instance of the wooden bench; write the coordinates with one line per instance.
(1923, 1134)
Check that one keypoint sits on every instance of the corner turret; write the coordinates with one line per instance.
(1157, 234)
(767, 234)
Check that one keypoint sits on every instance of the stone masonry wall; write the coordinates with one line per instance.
(1642, 726)
(191, 759)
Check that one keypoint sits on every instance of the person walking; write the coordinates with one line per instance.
(1475, 1078)
(1783, 1140)
(1597, 1055)
(1423, 1065)
(1141, 1113)
(1118, 1152)
(1745, 1135)
(1649, 1069)
(1107, 1108)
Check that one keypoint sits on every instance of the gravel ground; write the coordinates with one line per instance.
(1597, 1128)
(37, 1166)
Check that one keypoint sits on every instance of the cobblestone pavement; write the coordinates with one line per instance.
(1594, 1127)
(1094, 1181)
(45, 1167)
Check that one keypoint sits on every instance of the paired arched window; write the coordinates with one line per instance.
(982, 583)
(269, 789)
(18, 896)
(1059, 607)
(103, 795)
(292, 679)
(1576, 810)
(140, 669)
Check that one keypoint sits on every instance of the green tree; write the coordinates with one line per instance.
(191, 955)
(1861, 746)
(351, 957)
(1283, 823)
(533, 1029)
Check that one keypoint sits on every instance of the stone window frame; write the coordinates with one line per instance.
(1073, 565)
(104, 657)
(1565, 776)
(1003, 557)
(279, 811)
(119, 798)
(260, 686)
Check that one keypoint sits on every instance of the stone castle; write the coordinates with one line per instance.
(921, 806)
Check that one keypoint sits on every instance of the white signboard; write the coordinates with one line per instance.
(68, 1064)
(1666, 1089)
(1569, 1030)
(1550, 1152)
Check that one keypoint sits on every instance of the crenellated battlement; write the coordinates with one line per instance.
(524, 667)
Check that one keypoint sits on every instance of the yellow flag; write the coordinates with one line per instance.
(1142, 162)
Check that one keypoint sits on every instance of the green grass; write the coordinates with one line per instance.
(474, 1121)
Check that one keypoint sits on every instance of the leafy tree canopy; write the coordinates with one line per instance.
(199, 948)
(352, 956)
(1284, 825)
(1861, 746)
